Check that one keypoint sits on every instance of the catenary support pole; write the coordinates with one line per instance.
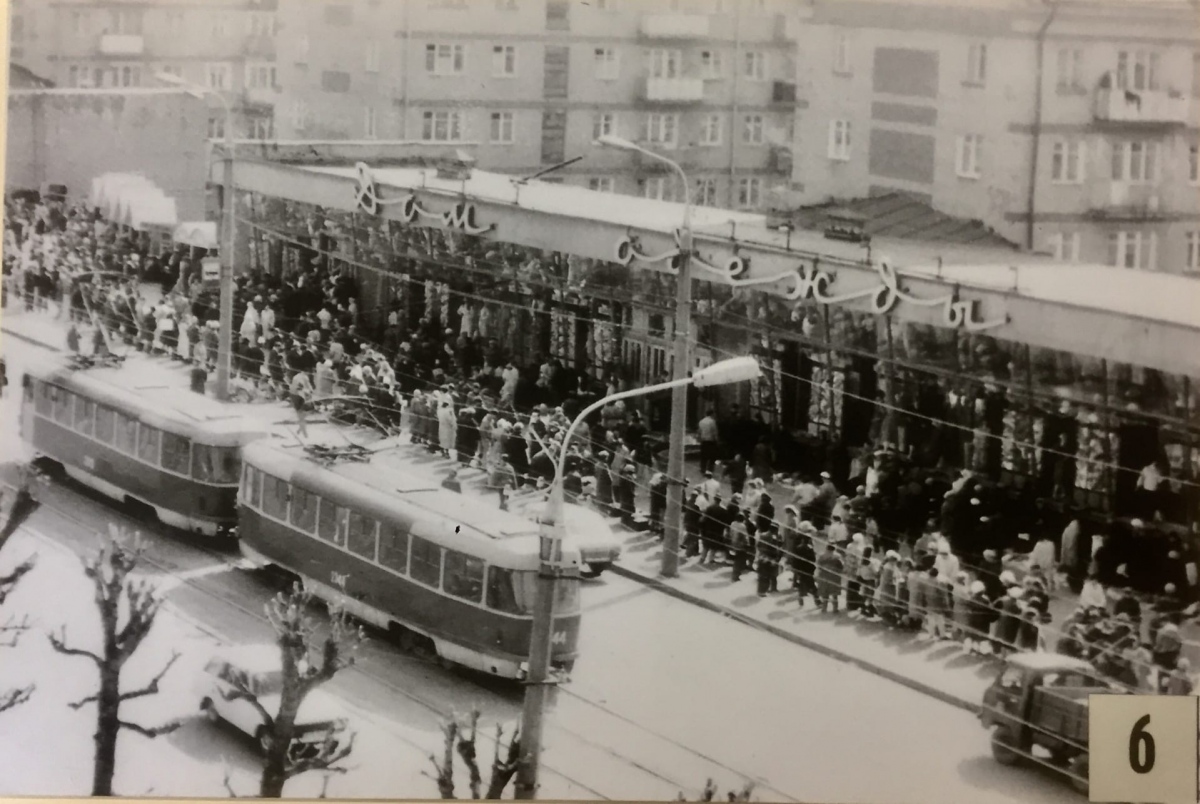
(225, 333)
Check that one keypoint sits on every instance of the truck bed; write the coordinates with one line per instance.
(1062, 712)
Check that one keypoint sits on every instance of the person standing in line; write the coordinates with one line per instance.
(829, 579)
(739, 545)
(767, 565)
(709, 441)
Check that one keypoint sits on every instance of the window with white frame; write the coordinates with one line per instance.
(839, 140)
(665, 63)
(1066, 161)
(371, 56)
(125, 21)
(752, 129)
(1065, 246)
(754, 65)
(174, 23)
(710, 130)
(606, 63)
(504, 61)
(444, 59)
(1137, 69)
(711, 64)
(260, 75)
(656, 187)
(603, 124)
(970, 154)
(749, 191)
(217, 75)
(369, 131)
(441, 126)
(706, 192)
(841, 55)
(1135, 161)
(502, 127)
(81, 22)
(262, 128)
(171, 69)
(1132, 249)
(1192, 256)
(602, 184)
(1194, 162)
(1070, 69)
(977, 63)
(661, 129)
(216, 127)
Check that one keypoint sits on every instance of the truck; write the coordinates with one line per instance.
(1040, 701)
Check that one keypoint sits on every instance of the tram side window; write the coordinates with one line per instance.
(275, 497)
(84, 409)
(252, 491)
(45, 398)
(105, 424)
(393, 547)
(329, 523)
(214, 464)
(426, 563)
(304, 510)
(62, 406)
(126, 436)
(176, 453)
(148, 443)
(510, 591)
(361, 535)
(464, 576)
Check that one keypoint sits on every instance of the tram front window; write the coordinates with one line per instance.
(215, 464)
(511, 591)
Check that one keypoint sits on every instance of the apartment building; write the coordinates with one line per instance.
(1070, 128)
(227, 46)
(532, 83)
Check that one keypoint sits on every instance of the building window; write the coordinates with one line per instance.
(331, 522)
(504, 61)
(1137, 70)
(218, 76)
(1132, 249)
(706, 192)
(839, 140)
(1135, 161)
(360, 535)
(606, 63)
(441, 126)
(464, 576)
(710, 130)
(977, 64)
(665, 63)
(369, 122)
(662, 129)
(1193, 252)
(174, 23)
(303, 513)
(335, 81)
(1065, 246)
(602, 184)
(261, 128)
(371, 57)
(754, 65)
(1066, 162)
(216, 127)
(1070, 70)
(502, 127)
(260, 75)
(80, 22)
(841, 55)
(393, 547)
(603, 124)
(444, 59)
(752, 129)
(749, 192)
(425, 564)
(970, 150)
(125, 21)
(655, 188)
(299, 115)
(710, 64)
(220, 24)
(171, 69)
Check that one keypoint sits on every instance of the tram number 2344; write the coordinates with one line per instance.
(1143, 748)
(559, 638)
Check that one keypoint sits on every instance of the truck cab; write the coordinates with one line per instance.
(1040, 701)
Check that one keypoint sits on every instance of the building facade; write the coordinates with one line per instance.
(227, 46)
(1067, 128)
(531, 83)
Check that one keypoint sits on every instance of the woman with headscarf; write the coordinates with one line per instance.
(447, 427)
(804, 563)
(853, 558)
(885, 588)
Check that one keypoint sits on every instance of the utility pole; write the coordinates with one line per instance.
(225, 333)
(679, 396)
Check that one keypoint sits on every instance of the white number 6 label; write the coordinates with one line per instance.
(1143, 748)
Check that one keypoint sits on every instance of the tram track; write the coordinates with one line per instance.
(205, 586)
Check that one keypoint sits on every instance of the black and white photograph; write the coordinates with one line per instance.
(661, 400)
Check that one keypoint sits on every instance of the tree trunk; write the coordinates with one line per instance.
(108, 707)
(275, 773)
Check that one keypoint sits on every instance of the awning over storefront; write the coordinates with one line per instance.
(201, 234)
(133, 200)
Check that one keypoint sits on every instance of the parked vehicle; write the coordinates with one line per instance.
(255, 669)
(1037, 708)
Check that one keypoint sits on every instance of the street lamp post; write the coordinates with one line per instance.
(225, 333)
(682, 360)
(538, 679)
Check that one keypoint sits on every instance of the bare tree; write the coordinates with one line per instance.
(11, 629)
(710, 792)
(109, 572)
(309, 660)
(460, 738)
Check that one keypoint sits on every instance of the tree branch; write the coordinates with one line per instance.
(240, 693)
(229, 785)
(16, 629)
(59, 643)
(83, 702)
(152, 687)
(10, 699)
(326, 758)
(157, 731)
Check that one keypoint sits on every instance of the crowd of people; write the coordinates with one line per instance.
(947, 557)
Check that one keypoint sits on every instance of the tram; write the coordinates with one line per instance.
(445, 574)
(132, 431)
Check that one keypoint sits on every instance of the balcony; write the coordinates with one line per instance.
(675, 90)
(1127, 202)
(675, 26)
(779, 160)
(1161, 107)
(122, 45)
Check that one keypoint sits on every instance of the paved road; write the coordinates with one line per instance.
(664, 695)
